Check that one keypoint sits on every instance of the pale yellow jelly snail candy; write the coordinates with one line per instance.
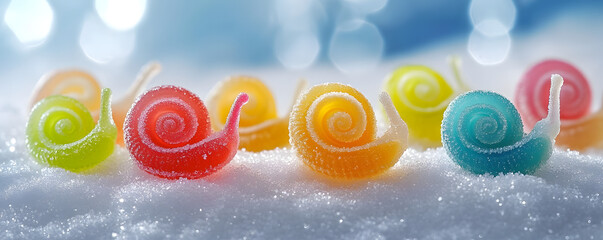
(333, 130)
(580, 129)
(421, 96)
(86, 89)
(61, 133)
(260, 128)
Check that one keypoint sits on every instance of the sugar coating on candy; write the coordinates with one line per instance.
(333, 131)
(61, 133)
(483, 133)
(168, 134)
(421, 96)
(260, 126)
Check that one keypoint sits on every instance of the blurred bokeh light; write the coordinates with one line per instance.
(356, 47)
(121, 14)
(30, 20)
(324, 40)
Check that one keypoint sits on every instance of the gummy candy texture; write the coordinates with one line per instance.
(421, 96)
(168, 134)
(260, 126)
(61, 133)
(333, 131)
(483, 132)
(83, 87)
(580, 129)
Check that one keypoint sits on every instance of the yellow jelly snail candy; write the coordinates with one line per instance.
(260, 127)
(482, 132)
(86, 89)
(61, 133)
(580, 129)
(333, 130)
(421, 96)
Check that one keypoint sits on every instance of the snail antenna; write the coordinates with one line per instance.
(553, 116)
(455, 65)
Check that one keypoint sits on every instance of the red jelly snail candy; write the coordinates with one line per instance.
(580, 129)
(168, 134)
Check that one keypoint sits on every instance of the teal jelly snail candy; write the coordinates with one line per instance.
(61, 133)
(85, 88)
(421, 96)
(168, 134)
(483, 132)
(580, 129)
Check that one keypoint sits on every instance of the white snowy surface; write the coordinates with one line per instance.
(272, 195)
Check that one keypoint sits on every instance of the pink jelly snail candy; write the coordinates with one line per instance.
(483, 133)
(260, 127)
(580, 129)
(60, 132)
(421, 95)
(83, 87)
(168, 134)
(333, 131)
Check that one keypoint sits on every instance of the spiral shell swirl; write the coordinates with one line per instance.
(333, 130)
(260, 127)
(421, 96)
(85, 88)
(579, 129)
(61, 133)
(483, 133)
(168, 134)
(532, 92)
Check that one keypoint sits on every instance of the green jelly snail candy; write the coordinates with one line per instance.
(421, 96)
(483, 132)
(83, 87)
(61, 133)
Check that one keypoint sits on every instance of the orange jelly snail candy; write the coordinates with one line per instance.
(168, 134)
(580, 129)
(333, 130)
(260, 127)
(85, 88)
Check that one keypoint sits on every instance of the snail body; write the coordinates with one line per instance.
(168, 134)
(83, 87)
(421, 95)
(580, 129)
(260, 127)
(483, 132)
(333, 130)
(61, 133)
